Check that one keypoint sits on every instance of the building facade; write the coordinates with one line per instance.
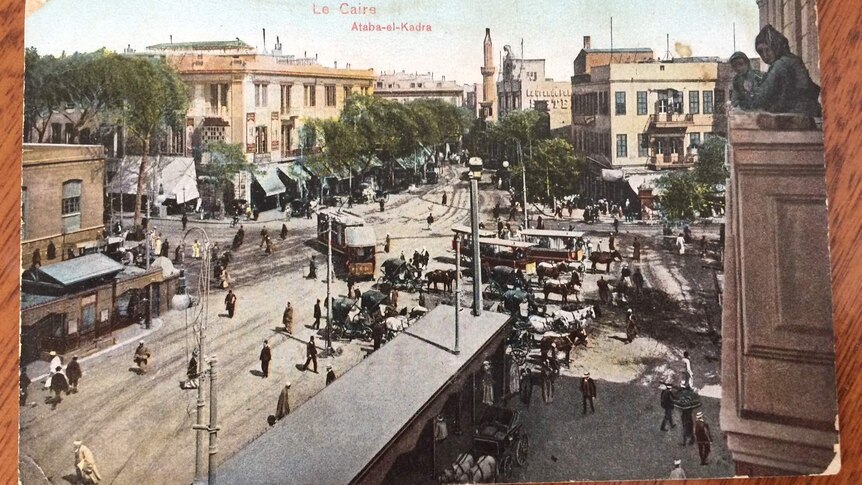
(487, 105)
(523, 85)
(62, 201)
(649, 114)
(404, 87)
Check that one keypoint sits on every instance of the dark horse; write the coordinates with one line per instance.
(440, 276)
(605, 258)
(563, 289)
(566, 343)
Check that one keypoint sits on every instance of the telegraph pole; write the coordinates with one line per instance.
(457, 291)
(329, 284)
(213, 427)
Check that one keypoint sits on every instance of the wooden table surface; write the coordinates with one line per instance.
(841, 65)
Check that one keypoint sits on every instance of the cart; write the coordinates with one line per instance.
(500, 434)
(400, 274)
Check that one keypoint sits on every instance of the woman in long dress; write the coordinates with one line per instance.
(487, 384)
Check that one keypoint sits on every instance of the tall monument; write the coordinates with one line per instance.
(489, 88)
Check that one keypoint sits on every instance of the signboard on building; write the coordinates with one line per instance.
(249, 133)
(275, 130)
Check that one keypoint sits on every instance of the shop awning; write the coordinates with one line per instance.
(171, 174)
(267, 179)
(648, 180)
(349, 430)
(76, 270)
(611, 175)
(294, 171)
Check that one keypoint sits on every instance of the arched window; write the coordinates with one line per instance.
(71, 205)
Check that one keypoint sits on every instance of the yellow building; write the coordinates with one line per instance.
(404, 87)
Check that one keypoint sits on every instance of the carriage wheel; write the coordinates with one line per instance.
(519, 355)
(522, 448)
(506, 467)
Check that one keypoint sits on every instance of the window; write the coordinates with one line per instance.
(56, 132)
(719, 101)
(71, 205)
(379, 84)
(365, 90)
(694, 102)
(285, 97)
(218, 96)
(622, 146)
(694, 138)
(643, 145)
(412, 85)
(604, 99)
(347, 91)
(310, 95)
(260, 94)
(260, 139)
(642, 103)
(620, 103)
(329, 91)
(707, 102)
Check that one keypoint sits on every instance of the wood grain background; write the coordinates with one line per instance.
(840, 24)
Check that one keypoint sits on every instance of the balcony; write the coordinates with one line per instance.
(671, 161)
(670, 120)
(584, 120)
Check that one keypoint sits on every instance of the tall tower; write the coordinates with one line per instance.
(489, 89)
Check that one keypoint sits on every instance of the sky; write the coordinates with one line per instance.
(550, 29)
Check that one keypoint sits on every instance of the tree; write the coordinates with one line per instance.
(709, 168)
(88, 82)
(154, 96)
(682, 196)
(226, 160)
(554, 171)
(41, 93)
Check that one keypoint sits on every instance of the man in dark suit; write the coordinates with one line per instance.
(230, 303)
(265, 357)
(703, 437)
(317, 315)
(667, 405)
(330, 375)
(588, 391)
(311, 353)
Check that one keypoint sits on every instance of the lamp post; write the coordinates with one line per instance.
(524, 184)
(475, 165)
(456, 351)
(506, 172)
(200, 427)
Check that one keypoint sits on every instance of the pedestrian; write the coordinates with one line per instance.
(667, 406)
(616, 227)
(497, 211)
(165, 249)
(283, 232)
(283, 407)
(23, 385)
(185, 220)
(312, 269)
(677, 473)
(56, 361)
(59, 385)
(142, 357)
(157, 248)
(230, 303)
(196, 250)
(287, 319)
(588, 391)
(317, 315)
(382, 203)
(422, 301)
(604, 289)
(540, 224)
(547, 381)
(310, 354)
(680, 243)
(268, 249)
(514, 376)
(429, 220)
(589, 248)
(526, 386)
(388, 244)
(73, 373)
(85, 465)
(638, 280)
(265, 357)
(179, 254)
(445, 195)
(702, 246)
(636, 250)
(240, 236)
(611, 241)
(393, 298)
(377, 335)
(264, 235)
(688, 379)
(192, 371)
(599, 246)
(687, 427)
(703, 437)
(631, 326)
(357, 293)
(330, 375)
(487, 384)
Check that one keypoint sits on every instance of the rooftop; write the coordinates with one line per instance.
(205, 45)
(42, 153)
(620, 49)
(338, 432)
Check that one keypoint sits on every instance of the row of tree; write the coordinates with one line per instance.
(687, 195)
(104, 89)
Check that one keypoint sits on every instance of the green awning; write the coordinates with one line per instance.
(294, 171)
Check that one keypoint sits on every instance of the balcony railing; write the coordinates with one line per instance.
(671, 119)
(671, 160)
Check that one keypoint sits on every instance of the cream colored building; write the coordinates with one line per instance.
(259, 100)
(523, 85)
(404, 87)
(649, 113)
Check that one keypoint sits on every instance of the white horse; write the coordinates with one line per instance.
(465, 470)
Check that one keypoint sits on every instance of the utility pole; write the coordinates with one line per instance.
(457, 291)
(213, 427)
(329, 284)
(475, 174)
(524, 183)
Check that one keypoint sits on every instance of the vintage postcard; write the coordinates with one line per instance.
(310, 242)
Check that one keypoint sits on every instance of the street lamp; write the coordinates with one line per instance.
(475, 166)
(506, 173)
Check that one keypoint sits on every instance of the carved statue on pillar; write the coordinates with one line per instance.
(787, 86)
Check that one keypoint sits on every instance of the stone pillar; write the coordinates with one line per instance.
(778, 406)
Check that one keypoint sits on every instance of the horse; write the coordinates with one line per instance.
(606, 258)
(563, 289)
(465, 470)
(539, 324)
(395, 325)
(550, 270)
(441, 276)
(564, 342)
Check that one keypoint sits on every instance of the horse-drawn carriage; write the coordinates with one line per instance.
(499, 442)
(400, 274)
(356, 318)
(504, 278)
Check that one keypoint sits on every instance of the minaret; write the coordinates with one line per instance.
(489, 89)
